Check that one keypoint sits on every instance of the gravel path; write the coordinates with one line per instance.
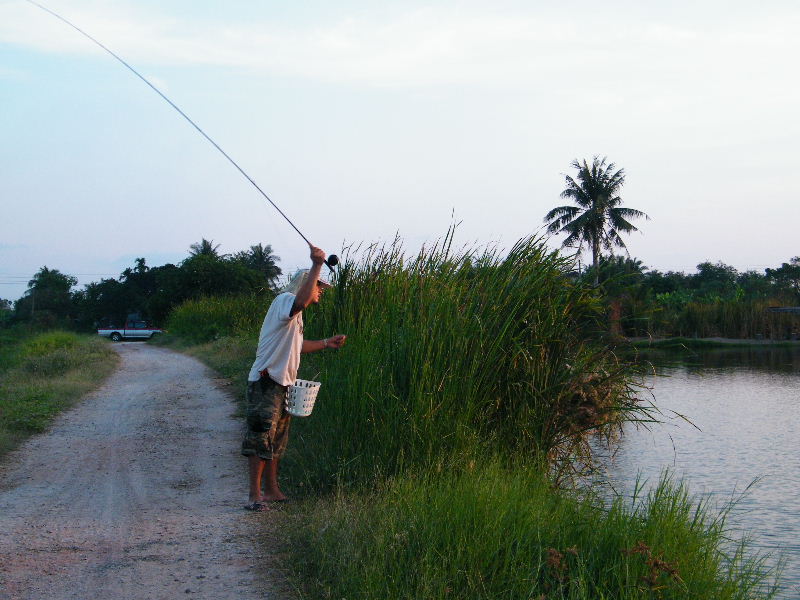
(136, 493)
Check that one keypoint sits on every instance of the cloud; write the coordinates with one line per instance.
(420, 46)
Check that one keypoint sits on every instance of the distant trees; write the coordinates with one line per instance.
(715, 280)
(260, 258)
(597, 219)
(48, 294)
(113, 299)
(717, 300)
(150, 291)
(787, 276)
(204, 275)
(6, 311)
(98, 302)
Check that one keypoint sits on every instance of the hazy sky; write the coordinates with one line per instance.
(362, 119)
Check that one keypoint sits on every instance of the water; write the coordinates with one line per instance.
(744, 408)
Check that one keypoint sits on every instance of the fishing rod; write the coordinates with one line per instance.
(331, 261)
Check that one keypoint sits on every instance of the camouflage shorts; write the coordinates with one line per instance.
(267, 420)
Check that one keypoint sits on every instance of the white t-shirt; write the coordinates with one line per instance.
(280, 342)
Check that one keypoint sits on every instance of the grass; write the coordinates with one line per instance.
(43, 374)
(432, 464)
(739, 318)
(493, 531)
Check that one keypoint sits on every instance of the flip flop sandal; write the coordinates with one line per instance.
(256, 507)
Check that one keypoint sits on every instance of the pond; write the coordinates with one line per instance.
(744, 408)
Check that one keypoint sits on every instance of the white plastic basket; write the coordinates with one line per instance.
(301, 396)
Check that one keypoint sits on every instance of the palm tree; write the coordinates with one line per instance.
(204, 248)
(597, 220)
(261, 258)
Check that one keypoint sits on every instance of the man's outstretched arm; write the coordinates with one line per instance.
(336, 341)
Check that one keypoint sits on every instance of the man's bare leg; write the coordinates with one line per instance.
(256, 465)
(272, 492)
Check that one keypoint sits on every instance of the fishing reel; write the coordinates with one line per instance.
(332, 261)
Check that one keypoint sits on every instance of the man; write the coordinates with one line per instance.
(275, 368)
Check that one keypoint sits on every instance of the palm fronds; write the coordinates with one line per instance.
(597, 220)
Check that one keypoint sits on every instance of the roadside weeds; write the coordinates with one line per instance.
(44, 374)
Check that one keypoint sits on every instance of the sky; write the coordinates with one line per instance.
(363, 120)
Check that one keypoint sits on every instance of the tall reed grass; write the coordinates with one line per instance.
(457, 354)
(469, 381)
(735, 318)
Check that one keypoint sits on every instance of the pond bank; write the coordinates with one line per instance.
(711, 342)
(742, 407)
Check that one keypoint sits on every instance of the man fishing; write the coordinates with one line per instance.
(279, 346)
(275, 368)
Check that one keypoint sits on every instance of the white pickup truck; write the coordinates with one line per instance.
(132, 330)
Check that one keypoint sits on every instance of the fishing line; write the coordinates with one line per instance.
(332, 260)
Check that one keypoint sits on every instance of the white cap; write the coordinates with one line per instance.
(297, 280)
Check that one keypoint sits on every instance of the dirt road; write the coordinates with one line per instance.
(136, 493)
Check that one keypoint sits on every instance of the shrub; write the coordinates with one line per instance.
(210, 318)
(45, 343)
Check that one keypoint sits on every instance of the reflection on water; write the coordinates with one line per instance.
(744, 407)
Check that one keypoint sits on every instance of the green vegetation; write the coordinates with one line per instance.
(208, 318)
(42, 374)
(431, 465)
(493, 532)
(150, 292)
(717, 301)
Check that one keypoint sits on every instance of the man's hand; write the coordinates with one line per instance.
(336, 341)
(317, 255)
(308, 292)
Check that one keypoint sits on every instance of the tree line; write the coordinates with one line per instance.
(150, 292)
(717, 300)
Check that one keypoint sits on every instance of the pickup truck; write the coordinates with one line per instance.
(132, 330)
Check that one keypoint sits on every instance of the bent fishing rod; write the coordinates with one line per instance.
(331, 261)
